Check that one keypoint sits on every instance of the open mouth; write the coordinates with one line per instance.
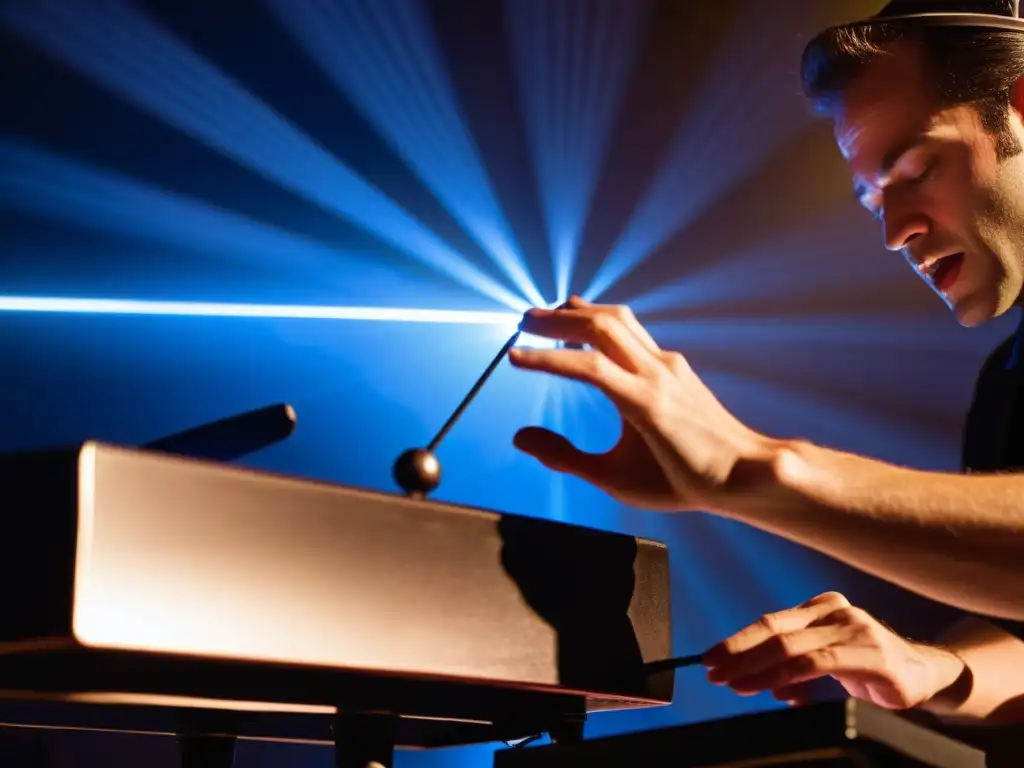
(945, 271)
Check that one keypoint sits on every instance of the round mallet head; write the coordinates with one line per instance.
(417, 471)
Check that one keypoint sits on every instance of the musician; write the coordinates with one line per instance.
(930, 120)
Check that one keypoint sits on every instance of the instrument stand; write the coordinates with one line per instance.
(569, 730)
(832, 734)
(364, 740)
(199, 751)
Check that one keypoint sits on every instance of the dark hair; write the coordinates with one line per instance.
(970, 65)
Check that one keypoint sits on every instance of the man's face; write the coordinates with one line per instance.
(933, 178)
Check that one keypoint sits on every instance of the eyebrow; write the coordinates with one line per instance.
(890, 158)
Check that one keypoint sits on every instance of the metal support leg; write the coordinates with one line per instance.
(364, 741)
(206, 751)
(569, 730)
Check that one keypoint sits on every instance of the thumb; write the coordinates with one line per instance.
(555, 452)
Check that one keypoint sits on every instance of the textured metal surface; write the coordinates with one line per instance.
(175, 556)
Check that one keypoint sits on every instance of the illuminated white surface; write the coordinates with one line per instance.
(212, 309)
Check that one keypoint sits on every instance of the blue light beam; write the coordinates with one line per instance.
(382, 55)
(815, 417)
(49, 304)
(727, 280)
(747, 85)
(827, 331)
(573, 59)
(126, 52)
(56, 188)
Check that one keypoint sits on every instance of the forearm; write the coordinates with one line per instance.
(955, 538)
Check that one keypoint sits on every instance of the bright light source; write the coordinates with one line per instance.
(199, 309)
(536, 342)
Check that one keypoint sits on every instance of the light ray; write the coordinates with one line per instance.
(382, 55)
(558, 504)
(573, 60)
(508, 320)
(879, 332)
(710, 150)
(45, 184)
(128, 53)
(727, 279)
(812, 416)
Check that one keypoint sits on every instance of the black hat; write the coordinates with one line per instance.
(993, 14)
(987, 7)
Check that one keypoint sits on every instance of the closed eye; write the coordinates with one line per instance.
(924, 173)
(868, 198)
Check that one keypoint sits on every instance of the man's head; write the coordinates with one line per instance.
(929, 119)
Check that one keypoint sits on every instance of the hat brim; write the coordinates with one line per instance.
(976, 20)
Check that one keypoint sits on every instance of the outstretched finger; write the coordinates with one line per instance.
(625, 315)
(602, 331)
(586, 366)
(775, 650)
(774, 624)
(834, 660)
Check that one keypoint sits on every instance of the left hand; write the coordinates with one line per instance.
(827, 637)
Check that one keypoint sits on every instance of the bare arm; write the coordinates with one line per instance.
(958, 539)
(975, 676)
(955, 538)
(991, 686)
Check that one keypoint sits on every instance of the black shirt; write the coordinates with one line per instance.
(994, 430)
(993, 438)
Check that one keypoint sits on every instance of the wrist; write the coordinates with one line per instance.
(760, 478)
(952, 680)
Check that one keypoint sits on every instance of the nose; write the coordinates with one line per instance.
(900, 230)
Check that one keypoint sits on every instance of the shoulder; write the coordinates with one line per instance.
(992, 371)
(980, 450)
(996, 362)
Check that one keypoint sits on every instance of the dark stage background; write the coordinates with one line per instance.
(451, 154)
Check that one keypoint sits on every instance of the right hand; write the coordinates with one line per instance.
(628, 472)
(679, 448)
(827, 637)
